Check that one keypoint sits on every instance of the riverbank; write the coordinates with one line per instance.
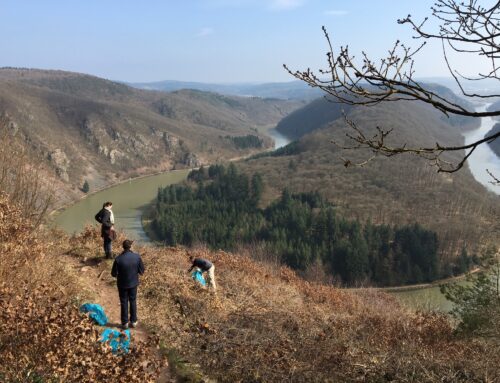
(90, 194)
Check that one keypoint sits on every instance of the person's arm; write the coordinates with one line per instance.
(191, 268)
(114, 270)
(141, 266)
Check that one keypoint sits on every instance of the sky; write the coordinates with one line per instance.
(214, 41)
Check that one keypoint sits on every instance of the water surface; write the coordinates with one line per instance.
(483, 157)
(279, 139)
(129, 200)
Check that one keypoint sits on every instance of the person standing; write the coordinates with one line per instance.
(107, 220)
(206, 267)
(126, 269)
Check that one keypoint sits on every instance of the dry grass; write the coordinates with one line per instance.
(42, 335)
(266, 324)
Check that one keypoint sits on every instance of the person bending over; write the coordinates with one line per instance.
(206, 267)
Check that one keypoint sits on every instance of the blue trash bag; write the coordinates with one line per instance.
(118, 341)
(198, 277)
(96, 313)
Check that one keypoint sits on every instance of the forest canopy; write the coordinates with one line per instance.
(219, 206)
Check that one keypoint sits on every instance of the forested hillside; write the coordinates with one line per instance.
(391, 191)
(325, 110)
(89, 129)
(303, 231)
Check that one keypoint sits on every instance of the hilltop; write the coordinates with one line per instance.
(87, 128)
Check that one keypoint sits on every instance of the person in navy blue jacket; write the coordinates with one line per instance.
(126, 268)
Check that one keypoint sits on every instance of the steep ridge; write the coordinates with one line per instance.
(387, 190)
(87, 128)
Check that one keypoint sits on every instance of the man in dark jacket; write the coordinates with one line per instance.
(107, 220)
(126, 268)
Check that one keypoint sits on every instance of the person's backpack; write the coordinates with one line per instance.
(98, 217)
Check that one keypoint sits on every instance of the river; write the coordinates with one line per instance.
(483, 157)
(130, 198)
(279, 139)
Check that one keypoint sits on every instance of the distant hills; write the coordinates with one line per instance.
(293, 90)
(88, 128)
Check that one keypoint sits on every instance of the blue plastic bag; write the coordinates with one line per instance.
(96, 313)
(198, 277)
(118, 341)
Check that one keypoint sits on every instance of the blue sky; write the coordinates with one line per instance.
(201, 40)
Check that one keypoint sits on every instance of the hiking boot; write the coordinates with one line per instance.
(125, 326)
(133, 324)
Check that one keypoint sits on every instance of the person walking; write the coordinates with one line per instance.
(107, 219)
(205, 266)
(126, 268)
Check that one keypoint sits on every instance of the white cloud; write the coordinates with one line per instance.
(286, 4)
(336, 13)
(204, 32)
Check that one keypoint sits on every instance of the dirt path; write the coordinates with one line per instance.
(95, 274)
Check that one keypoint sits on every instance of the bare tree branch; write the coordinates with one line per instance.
(465, 27)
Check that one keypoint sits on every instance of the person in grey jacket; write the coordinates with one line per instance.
(126, 269)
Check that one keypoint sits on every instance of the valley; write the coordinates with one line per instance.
(385, 192)
(83, 128)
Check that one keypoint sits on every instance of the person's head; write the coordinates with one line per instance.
(127, 244)
(108, 204)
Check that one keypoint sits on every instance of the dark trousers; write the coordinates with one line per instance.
(126, 296)
(107, 246)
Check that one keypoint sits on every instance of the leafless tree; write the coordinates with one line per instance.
(464, 27)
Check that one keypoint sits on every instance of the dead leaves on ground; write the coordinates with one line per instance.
(44, 336)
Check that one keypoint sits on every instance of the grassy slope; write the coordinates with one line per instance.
(397, 190)
(266, 324)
